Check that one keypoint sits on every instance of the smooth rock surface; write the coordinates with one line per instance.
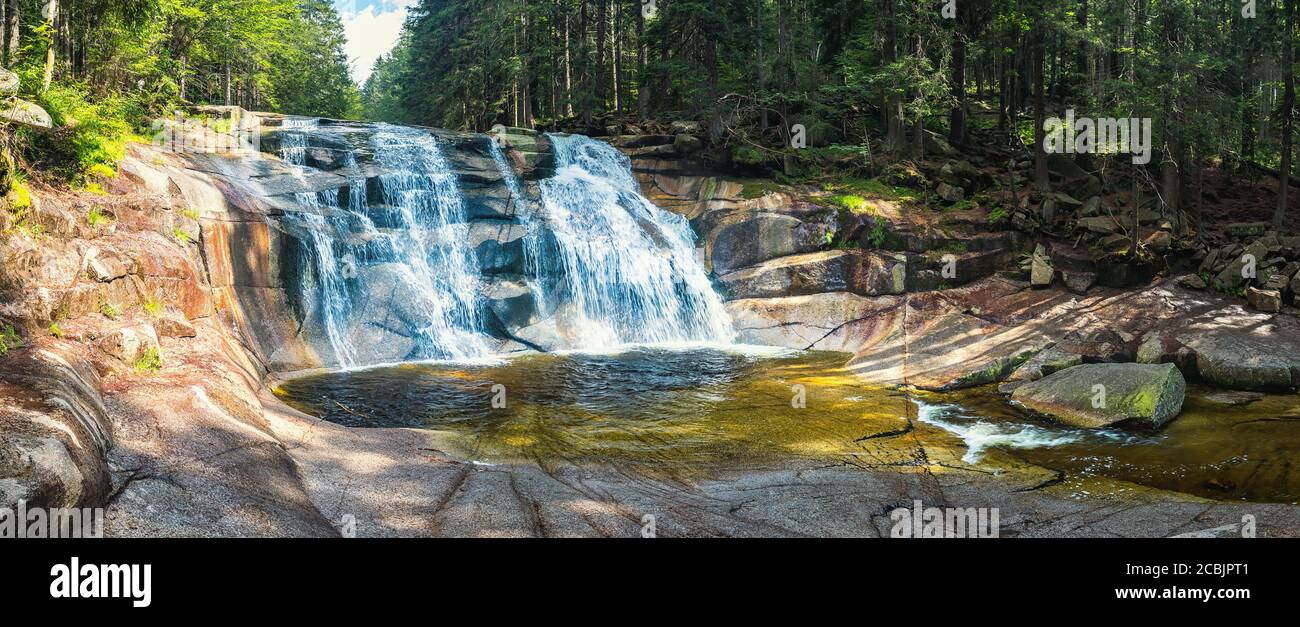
(1100, 395)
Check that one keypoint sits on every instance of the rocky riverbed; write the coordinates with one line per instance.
(196, 270)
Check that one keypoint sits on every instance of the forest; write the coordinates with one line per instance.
(104, 69)
(1214, 77)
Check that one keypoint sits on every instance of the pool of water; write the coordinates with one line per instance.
(704, 408)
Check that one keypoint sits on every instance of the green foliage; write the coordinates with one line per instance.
(181, 236)
(998, 215)
(92, 134)
(150, 361)
(153, 306)
(879, 234)
(9, 339)
(56, 330)
(96, 217)
(110, 311)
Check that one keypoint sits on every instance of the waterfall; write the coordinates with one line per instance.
(629, 268)
(432, 240)
(390, 273)
(421, 251)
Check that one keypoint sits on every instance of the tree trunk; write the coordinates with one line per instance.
(957, 117)
(602, 31)
(1288, 114)
(50, 13)
(895, 133)
(1041, 178)
(643, 94)
(13, 30)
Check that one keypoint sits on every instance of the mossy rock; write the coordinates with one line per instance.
(1099, 395)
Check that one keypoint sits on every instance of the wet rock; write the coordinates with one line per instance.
(1264, 300)
(868, 273)
(499, 246)
(823, 321)
(529, 150)
(1233, 397)
(512, 302)
(1100, 395)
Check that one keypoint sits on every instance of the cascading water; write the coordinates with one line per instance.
(628, 267)
(391, 261)
(431, 243)
(421, 250)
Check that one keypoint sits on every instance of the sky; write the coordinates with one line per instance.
(372, 27)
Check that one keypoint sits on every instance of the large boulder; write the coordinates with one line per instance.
(869, 273)
(20, 111)
(1100, 395)
(1242, 361)
(760, 237)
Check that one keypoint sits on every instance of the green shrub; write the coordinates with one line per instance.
(96, 217)
(91, 136)
(153, 307)
(879, 234)
(181, 236)
(56, 330)
(149, 361)
(110, 310)
(9, 339)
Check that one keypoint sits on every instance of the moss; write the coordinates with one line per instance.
(56, 330)
(747, 156)
(758, 188)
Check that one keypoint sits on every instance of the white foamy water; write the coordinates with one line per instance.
(980, 434)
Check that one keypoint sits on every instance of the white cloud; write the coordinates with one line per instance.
(371, 31)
